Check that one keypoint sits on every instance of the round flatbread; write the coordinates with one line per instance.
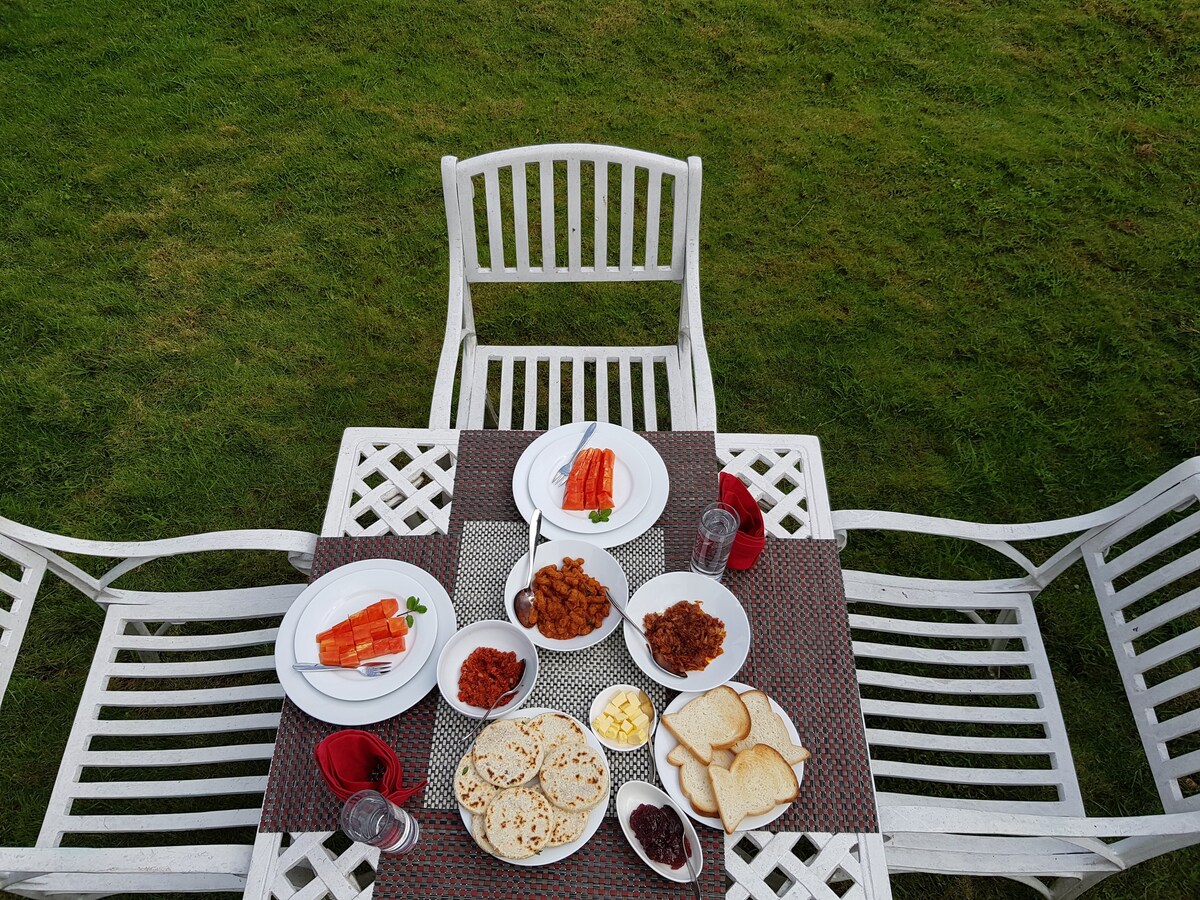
(469, 789)
(567, 826)
(557, 730)
(508, 753)
(575, 778)
(479, 832)
(518, 822)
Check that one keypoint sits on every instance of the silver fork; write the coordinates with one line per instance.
(370, 670)
(560, 477)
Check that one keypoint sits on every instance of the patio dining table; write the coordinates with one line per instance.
(443, 500)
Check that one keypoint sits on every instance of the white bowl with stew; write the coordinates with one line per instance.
(597, 562)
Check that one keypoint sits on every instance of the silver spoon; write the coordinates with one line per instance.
(523, 606)
(499, 701)
(687, 857)
(665, 666)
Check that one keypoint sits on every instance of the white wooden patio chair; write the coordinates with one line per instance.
(969, 748)
(175, 727)
(514, 253)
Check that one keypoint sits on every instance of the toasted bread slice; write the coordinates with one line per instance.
(766, 727)
(713, 721)
(693, 777)
(758, 781)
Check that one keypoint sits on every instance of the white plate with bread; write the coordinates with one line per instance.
(729, 757)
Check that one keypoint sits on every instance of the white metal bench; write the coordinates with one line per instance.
(576, 379)
(179, 710)
(955, 671)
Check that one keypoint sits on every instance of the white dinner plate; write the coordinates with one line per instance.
(597, 562)
(595, 817)
(660, 488)
(631, 480)
(333, 601)
(364, 712)
(717, 600)
(668, 773)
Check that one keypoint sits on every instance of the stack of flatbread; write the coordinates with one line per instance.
(735, 755)
(530, 784)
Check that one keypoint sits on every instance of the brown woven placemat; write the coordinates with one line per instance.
(801, 656)
(484, 472)
(296, 798)
(446, 864)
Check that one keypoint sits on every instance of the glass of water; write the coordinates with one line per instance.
(371, 818)
(718, 527)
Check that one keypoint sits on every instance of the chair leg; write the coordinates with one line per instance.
(148, 656)
(489, 411)
(1069, 888)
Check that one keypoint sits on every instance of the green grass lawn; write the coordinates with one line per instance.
(959, 240)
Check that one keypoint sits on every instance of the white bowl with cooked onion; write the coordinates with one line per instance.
(715, 602)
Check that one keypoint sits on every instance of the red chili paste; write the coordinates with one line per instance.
(486, 674)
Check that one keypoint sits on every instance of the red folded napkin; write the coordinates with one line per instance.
(354, 760)
(751, 537)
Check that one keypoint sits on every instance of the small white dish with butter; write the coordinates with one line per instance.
(622, 717)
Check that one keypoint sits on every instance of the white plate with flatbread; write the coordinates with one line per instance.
(668, 773)
(595, 816)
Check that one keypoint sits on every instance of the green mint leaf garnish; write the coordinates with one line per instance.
(409, 620)
(412, 603)
(599, 515)
(422, 609)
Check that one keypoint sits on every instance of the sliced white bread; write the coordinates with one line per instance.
(758, 781)
(766, 727)
(693, 777)
(713, 721)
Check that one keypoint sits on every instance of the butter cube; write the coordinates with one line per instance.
(615, 711)
(640, 720)
(638, 736)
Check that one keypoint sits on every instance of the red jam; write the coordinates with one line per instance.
(660, 833)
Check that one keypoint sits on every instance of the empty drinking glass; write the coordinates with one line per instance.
(718, 527)
(371, 818)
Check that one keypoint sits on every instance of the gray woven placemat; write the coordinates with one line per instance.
(566, 681)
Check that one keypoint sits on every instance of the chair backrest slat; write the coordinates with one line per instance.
(520, 218)
(680, 231)
(601, 217)
(627, 173)
(549, 261)
(495, 232)
(653, 195)
(563, 171)
(574, 217)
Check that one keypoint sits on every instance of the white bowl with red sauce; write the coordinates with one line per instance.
(632, 795)
(502, 636)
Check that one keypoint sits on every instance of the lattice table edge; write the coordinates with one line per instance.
(401, 481)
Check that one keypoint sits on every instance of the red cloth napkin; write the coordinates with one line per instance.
(751, 537)
(354, 760)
